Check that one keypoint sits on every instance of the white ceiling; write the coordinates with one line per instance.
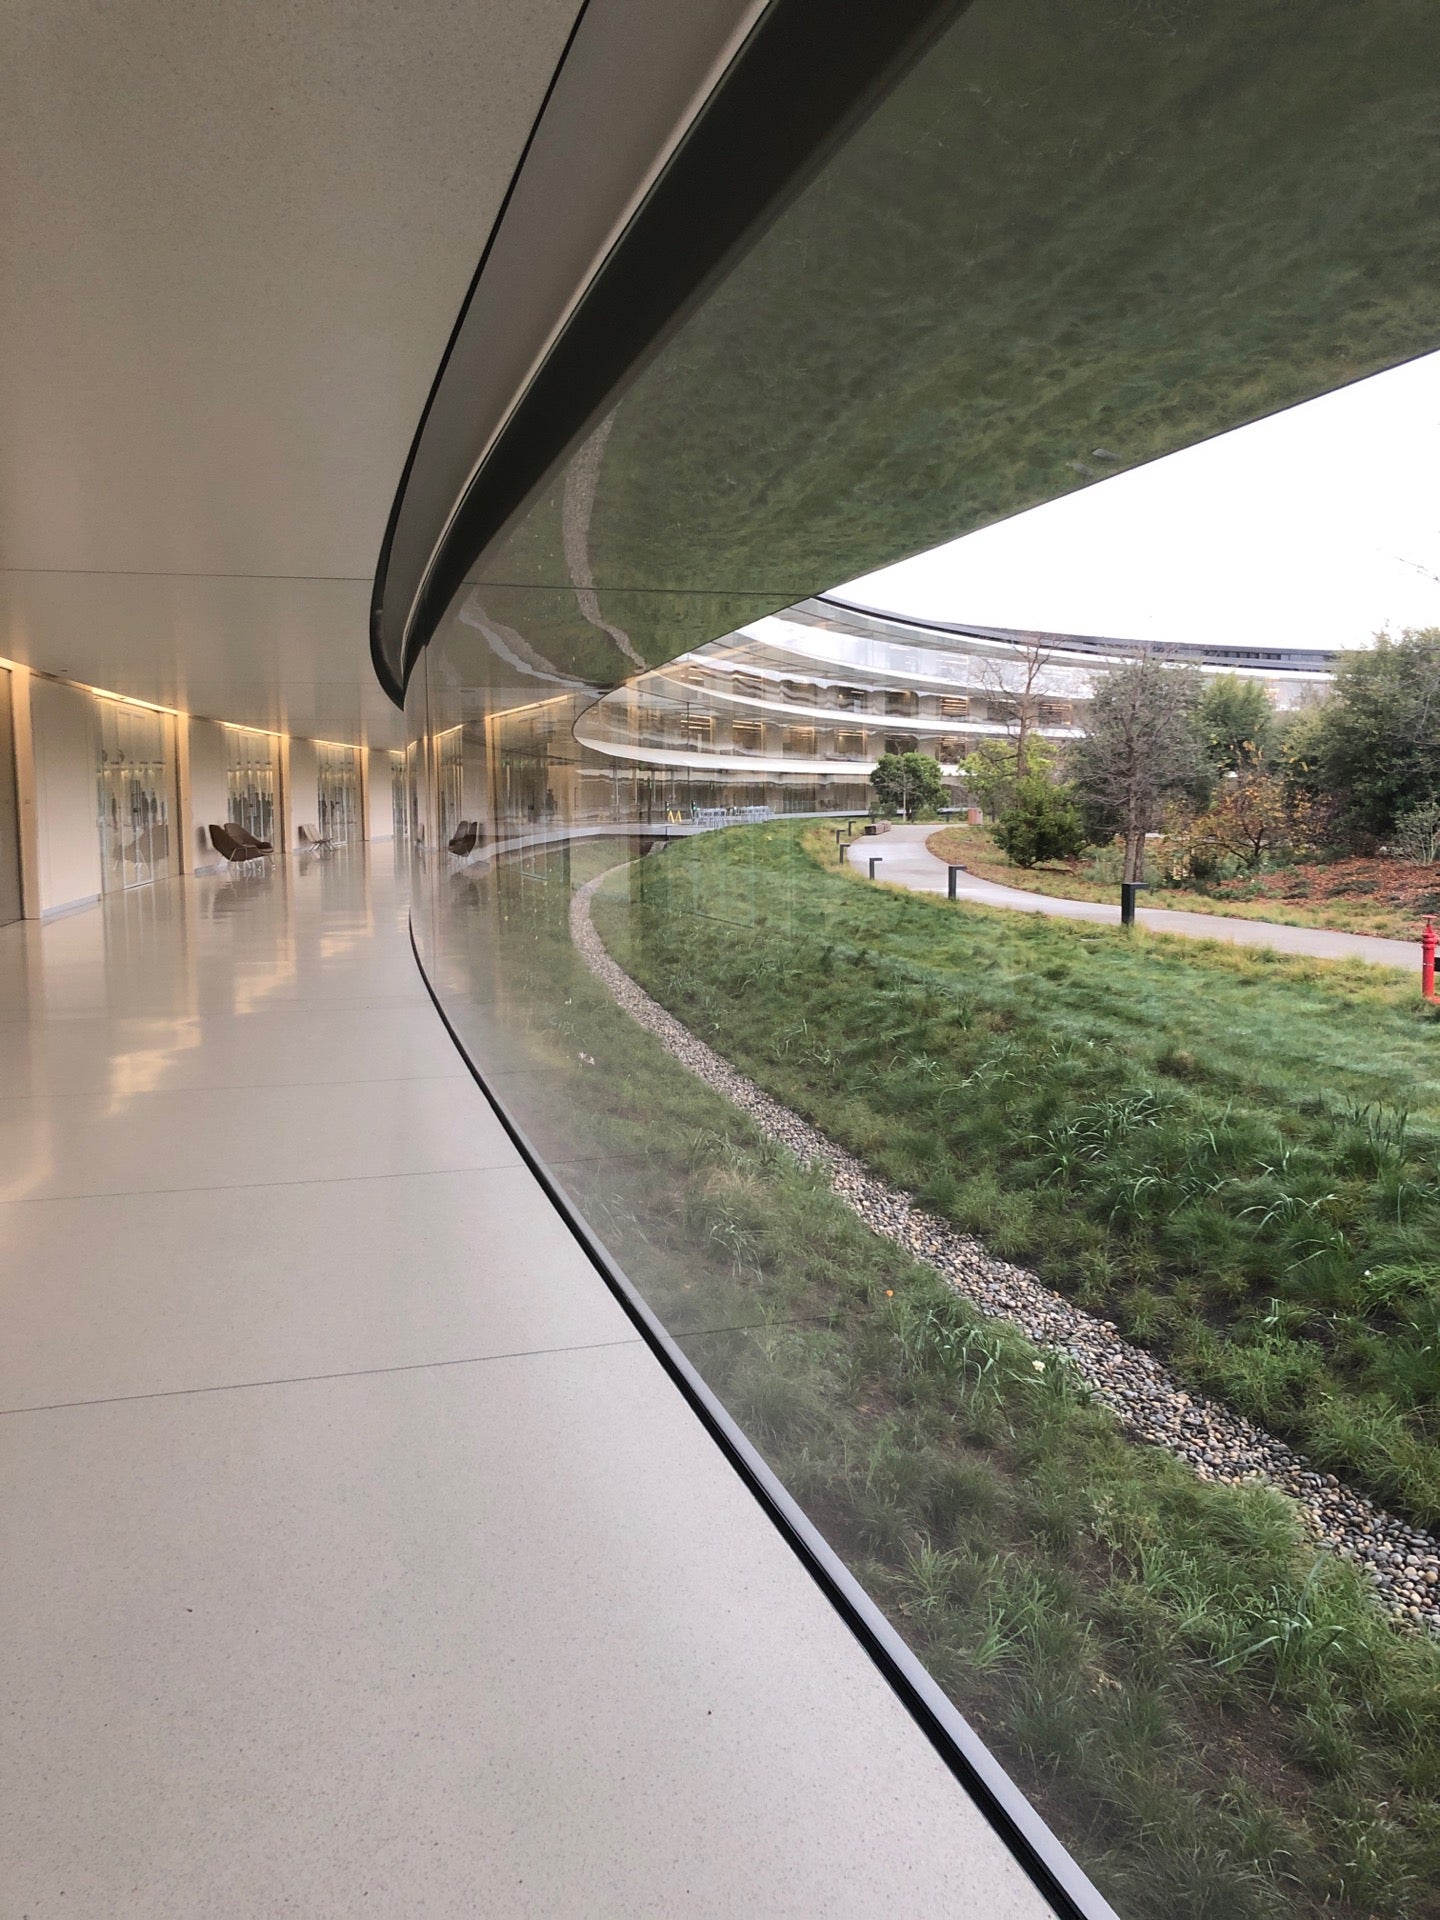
(234, 240)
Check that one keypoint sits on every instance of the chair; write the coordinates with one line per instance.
(237, 852)
(248, 839)
(465, 838)
(153, 845)
(312, 840)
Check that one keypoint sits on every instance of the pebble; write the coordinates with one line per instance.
(1401, 1561)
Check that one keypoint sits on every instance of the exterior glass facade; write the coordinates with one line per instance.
(885, 1170)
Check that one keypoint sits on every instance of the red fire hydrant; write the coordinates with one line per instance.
(1427, 959)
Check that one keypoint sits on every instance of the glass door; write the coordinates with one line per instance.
(400, 796)
(250, 781)
(136, 776)
(9, 811)
(337, 793)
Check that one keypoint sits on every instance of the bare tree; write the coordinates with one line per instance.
(1142, 747)
(1013, 683)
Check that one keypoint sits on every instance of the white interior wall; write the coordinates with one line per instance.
(380, 821)
(304, 786)
(66, 760)
(209, 793)
(66, 748)
(475, 786)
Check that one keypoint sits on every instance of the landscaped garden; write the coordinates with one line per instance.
(1215, 1718)
(1350, 893)
(1323, 816)
(1235, 1155)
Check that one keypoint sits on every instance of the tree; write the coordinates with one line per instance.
(1237, 722)
(990, 775)
(1377, 747)
(1249, 818)
(908, 783)
(1041, 822)
(1013, 680)
(1142, 747)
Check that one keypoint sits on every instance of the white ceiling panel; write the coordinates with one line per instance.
(233, 243)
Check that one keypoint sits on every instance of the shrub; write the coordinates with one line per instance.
(1042, 822)
(1417, 834)
(908, 783)
(1376, 744)
(1247, 823)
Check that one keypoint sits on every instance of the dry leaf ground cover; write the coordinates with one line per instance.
(1379, 896)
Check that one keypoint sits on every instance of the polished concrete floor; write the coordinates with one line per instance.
(357, 1556)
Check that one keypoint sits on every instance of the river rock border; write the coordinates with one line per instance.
(1152, 1405)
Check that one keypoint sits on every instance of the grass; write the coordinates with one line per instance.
(1234, 1154)
(1393, 904)
(1126, 227)
(1214, 1718)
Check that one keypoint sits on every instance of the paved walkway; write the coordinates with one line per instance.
(906, 861)
(358, 1556)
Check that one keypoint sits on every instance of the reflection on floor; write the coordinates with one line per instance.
(358, 1555)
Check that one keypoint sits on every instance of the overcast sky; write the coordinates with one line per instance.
(1316, 527)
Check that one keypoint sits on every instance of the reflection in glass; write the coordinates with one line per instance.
(137, 775)
(9, 810)
(250, 780)
(1076, 238)
(337, 792)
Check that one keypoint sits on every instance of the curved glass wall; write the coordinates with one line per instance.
(1077, 1287)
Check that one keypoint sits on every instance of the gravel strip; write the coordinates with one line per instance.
(1402, 1561)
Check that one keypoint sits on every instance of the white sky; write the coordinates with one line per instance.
(1316, 527)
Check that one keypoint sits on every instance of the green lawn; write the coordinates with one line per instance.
(1124, 225)
(1215, 1719)
(1232, 1153)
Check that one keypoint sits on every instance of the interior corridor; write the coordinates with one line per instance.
(357, 1552)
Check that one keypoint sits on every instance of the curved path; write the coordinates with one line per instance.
(906, 861)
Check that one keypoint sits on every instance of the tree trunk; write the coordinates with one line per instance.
(1134, 868)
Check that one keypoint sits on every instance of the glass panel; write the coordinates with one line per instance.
(399, 798)
(1079, 1285)
(9, 811)
(338, 793)
(135, 785)
(250, 781)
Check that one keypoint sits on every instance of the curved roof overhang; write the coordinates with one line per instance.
(724, 110)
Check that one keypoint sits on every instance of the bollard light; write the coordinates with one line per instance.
(953, 872)
(875, 860)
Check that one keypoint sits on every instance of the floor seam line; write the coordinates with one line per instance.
(318, 1379)
(249, 1086)
(252, 1186)
(256, 1186)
